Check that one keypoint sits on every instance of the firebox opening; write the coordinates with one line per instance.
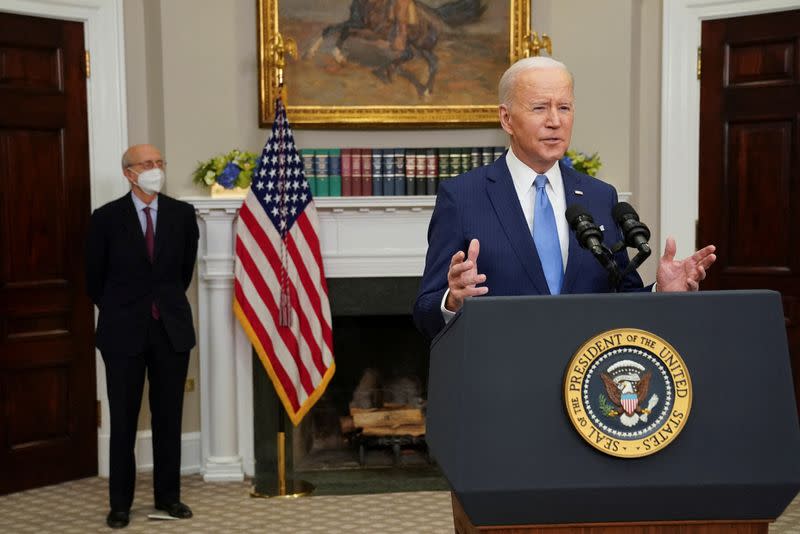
(372, 413)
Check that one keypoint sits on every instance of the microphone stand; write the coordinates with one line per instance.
(606, 259)
(634, 263)
(637, 260)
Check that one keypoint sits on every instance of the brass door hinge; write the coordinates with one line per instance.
(699, 62)
(88, 65)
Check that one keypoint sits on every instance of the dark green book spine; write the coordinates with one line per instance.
(321, 163)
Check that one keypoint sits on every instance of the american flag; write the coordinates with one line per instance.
(280, 294)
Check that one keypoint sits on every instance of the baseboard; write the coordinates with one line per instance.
(190, 452)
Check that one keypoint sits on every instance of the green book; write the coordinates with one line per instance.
(312, 185)
(323, 177)
(335, 185)
(455, 161)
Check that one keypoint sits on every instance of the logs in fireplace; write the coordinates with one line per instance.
(372, 414)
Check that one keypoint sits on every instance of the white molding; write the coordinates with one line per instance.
(360, 237)
(415, 203)
(107, 118)
(680, 106)
(105, 89)
(190, 452)
(232, 204)
(226, 434)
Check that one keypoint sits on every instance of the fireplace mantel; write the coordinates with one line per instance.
(359, 236)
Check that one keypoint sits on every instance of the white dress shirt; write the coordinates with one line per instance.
(523, 177)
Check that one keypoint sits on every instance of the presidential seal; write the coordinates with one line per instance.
(628, 392)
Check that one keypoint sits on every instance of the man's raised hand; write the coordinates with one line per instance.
(462, 277)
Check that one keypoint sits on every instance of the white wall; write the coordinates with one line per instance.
(614, 51)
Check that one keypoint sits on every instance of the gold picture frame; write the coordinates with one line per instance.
(421, 110)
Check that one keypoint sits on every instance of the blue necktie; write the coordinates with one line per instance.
(545, 236)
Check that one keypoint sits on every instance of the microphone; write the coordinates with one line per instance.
(586, 231)
(635, 232)
(590, 237)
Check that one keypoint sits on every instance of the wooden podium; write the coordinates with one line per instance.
(499, 429)
(464, 526)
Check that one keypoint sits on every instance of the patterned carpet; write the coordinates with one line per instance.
(81, 506)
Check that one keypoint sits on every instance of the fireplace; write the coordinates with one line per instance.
(373, 248)
(372, 413)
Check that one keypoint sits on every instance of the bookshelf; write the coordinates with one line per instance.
(386, 172)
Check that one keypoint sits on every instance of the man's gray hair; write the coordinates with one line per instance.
(125, 161)
(509, 78)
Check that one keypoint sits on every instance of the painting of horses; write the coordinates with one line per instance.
(394, 62)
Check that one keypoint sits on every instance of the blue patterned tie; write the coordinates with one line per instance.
(545, 236)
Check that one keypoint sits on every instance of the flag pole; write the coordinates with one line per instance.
(285, 488)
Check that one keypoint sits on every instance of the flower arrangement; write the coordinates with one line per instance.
(234, 169)
(582, 162)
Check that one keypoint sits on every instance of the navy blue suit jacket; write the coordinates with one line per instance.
(483, 204)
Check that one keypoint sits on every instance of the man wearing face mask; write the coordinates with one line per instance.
(140, 258)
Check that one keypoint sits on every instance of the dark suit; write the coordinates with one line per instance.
(124, 283)
(483, 204)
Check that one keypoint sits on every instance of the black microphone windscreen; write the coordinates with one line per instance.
(573, 212)
(621, 210)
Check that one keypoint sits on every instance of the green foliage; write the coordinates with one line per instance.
(607, 409)
(583, 162)
(213, 170)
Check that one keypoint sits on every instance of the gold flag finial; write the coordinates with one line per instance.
(534, 45)
(279, 48)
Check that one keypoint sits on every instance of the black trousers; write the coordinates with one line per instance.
(166, 372)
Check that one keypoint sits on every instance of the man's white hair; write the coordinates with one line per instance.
(509, 78)
(126, 161)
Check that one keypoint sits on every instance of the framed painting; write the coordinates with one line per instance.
(389, 63)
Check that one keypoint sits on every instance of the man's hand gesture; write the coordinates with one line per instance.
(463, 276)
(686, 274)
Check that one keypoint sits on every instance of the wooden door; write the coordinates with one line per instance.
(48, 422)
(750, 158)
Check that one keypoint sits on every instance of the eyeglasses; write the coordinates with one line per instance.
(150, 164)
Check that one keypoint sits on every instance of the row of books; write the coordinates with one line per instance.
(388, 171)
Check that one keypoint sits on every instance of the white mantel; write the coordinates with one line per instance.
(360, 237)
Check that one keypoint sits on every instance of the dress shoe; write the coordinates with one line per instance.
(176, 509)
(117, 519)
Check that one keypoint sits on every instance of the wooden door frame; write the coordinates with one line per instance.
(680, 106)
(107, 116)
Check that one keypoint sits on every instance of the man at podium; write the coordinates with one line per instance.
(511, 213)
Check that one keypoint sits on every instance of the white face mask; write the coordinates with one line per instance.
(151, 181)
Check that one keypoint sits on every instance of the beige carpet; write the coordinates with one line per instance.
(81, 506)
